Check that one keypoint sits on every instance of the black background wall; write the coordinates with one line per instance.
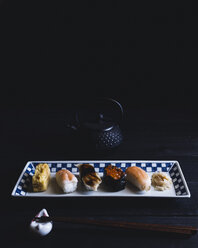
(143, 53)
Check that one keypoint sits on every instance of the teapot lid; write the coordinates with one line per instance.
(102, 124)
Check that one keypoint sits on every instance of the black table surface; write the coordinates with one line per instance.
(149, 134)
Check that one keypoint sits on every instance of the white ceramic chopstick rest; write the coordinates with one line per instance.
(41, 229)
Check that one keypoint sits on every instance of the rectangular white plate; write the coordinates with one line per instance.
(179, 188)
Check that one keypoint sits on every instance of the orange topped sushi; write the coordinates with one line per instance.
(66, 180)
(114, 178)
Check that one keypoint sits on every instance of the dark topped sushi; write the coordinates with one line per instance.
(89, 177)
(114, 178)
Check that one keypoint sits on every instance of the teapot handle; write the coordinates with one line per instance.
(77, 118)
(118, 104)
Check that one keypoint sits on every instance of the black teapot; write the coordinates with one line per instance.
(97, 128)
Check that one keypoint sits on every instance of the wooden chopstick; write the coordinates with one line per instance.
(185, 230)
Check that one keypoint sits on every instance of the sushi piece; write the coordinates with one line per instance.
(89, 177)
(41, 178)
(138, 177)
(114, 178)
(66, 180)
(160, 181)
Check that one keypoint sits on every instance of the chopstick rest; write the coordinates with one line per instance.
(41, 228)
(183, 230)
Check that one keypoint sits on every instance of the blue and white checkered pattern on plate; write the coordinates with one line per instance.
(99, 166)
(25, 181)
(175, 173)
